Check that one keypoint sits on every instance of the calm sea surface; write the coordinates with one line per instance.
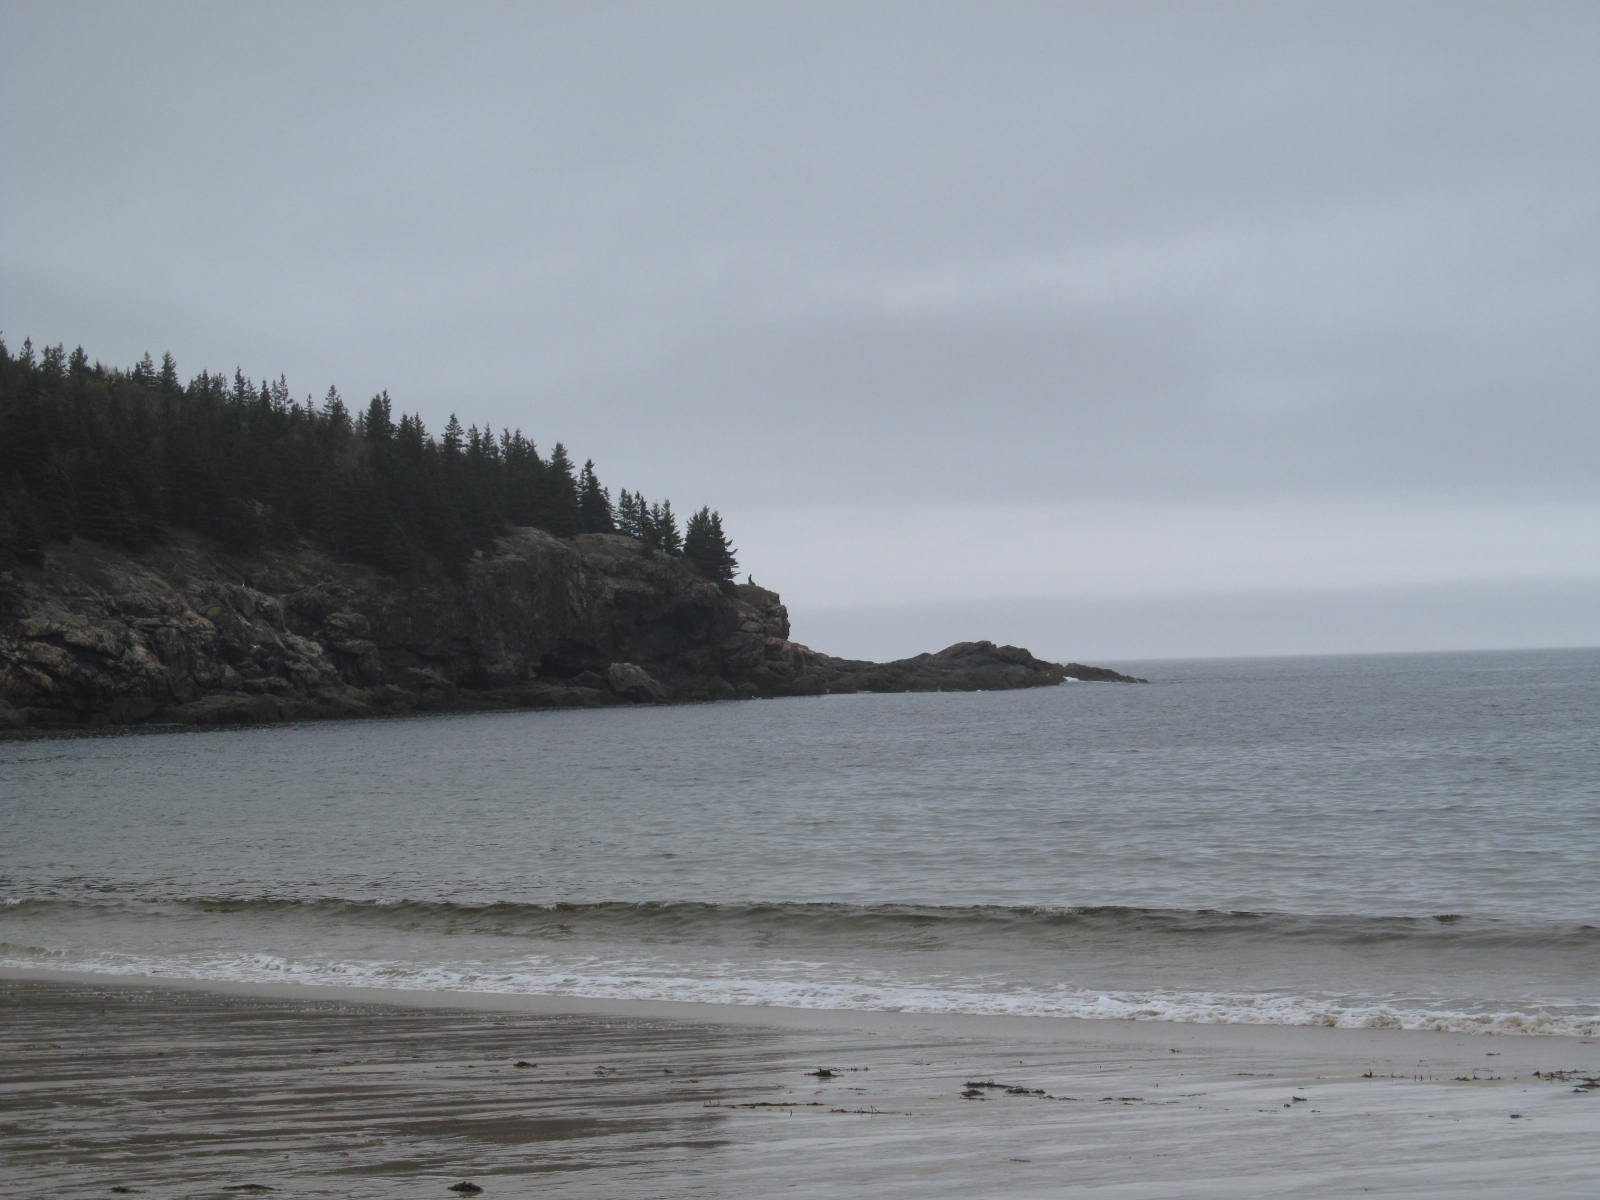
(1403, 840)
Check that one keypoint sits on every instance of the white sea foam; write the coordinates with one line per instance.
(598, 979)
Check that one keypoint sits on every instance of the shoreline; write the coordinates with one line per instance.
(190, 633)
(1025, 1029)
(476, 706)
(182, 1089)
(731, 1009)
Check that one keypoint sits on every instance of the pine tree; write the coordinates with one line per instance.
(167, 377)
(523, 478)
(647, 527)
(411, 439)
(54, 362)
(594, 502)
(664, 528)
(334, 413)
(671, 539)
(378, 422)
(560, 513)
(707, 547)
(453, 436)
(627, 514)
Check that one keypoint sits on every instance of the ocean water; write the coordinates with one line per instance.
(1402, 840)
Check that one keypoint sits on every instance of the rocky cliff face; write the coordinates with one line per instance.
(192, 635)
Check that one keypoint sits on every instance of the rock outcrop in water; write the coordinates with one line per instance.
(189, 634)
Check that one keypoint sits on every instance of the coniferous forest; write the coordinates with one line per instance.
(125, 457)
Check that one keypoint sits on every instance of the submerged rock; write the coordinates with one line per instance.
(1079, 673)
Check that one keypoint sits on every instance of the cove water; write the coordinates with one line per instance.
(1400, 840)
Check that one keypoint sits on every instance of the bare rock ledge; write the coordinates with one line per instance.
(189, 634)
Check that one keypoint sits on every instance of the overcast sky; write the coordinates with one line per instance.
(1117, 330)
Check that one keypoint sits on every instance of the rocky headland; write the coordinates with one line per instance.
(190, 634)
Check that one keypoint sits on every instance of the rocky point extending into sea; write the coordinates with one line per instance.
(188, 633)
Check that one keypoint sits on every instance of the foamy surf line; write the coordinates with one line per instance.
(820, 995)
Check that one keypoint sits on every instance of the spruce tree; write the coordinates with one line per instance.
(647, 527)
(664, 526)
(167, 379)
(594, 502)
(453, 436)
(335, 415)
(560, 494)
(524, 472)
(627, 514)
(378, 422)
(708, 548)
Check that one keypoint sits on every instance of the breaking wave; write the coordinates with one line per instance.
(904, 926)
(638, 981)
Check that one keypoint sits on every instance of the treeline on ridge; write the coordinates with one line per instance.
(123, 457)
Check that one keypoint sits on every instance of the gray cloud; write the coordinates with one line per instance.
(1307, 290)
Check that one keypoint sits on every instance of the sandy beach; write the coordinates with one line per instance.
(138, 1087)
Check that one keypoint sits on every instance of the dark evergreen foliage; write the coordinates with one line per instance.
(708, 548)
(594, 503)
(627, 514)
(559, 499)
(663, 532)
(124, 457)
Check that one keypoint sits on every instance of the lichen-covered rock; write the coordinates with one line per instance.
(634, 683)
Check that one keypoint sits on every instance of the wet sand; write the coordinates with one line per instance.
(173, 1092)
